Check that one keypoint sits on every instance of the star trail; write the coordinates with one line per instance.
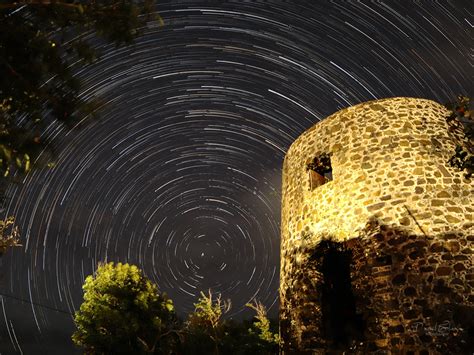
(180, 174)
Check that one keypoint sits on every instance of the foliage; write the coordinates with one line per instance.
(124, 313)
(267, 339)
(262, 325)
(39, 42)
(206, 332)
(208, 311)
(462, 118)
(9, 235)
(320, 164)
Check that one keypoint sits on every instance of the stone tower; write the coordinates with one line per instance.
(376, 250)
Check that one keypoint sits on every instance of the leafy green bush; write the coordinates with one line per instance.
(123, 312)
(206, 332)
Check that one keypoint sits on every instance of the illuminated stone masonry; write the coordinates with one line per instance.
(376, 247)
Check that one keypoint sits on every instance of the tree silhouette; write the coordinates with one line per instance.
(39, 41)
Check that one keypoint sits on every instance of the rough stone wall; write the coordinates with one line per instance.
(415, 291)
(392, 194)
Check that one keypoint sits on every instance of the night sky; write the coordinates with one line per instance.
(181, 175)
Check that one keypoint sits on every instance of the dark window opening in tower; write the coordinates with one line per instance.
(319, 170)
(342, 326)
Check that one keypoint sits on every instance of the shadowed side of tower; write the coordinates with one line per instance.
(377, 232)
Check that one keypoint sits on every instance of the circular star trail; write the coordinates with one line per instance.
(180, 175)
